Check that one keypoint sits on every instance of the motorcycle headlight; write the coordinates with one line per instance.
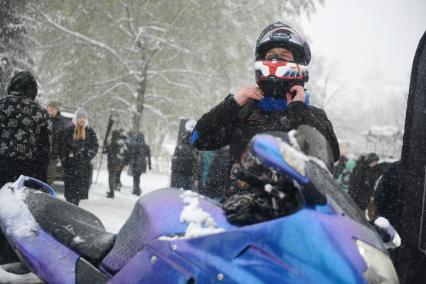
(379, 266)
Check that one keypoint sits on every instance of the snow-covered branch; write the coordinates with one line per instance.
(156, 111)
(124, 101)
(111, 80)
(86, 39)
(107, 92)
(173, 83)
(165, 42)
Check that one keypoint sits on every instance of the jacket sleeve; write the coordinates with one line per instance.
(300, 114)
(44, 148)
(63, 155)
(148, 155)
(214, 129)
(93, 144)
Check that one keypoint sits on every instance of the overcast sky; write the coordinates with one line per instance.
(368, 38)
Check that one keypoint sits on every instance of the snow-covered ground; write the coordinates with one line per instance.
(114, 212)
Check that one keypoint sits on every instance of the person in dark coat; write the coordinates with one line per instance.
(215, 186)
(363, 179)
(388, 198)
(182, 175)
(58, 126)
(389, 202)
(140, 159)
(117, 155)
(25, 139)
(256, 109)
(6, 72)
(25, 131)
(79, 146)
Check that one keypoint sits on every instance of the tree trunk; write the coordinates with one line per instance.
(137, 117)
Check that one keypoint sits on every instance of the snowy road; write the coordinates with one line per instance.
(114, 212)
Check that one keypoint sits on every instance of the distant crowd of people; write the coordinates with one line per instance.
(36, 141)
(127, 149)
(360, 178)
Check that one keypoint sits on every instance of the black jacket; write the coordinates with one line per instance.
(388, 197)
(58, 126)
(183, 158)
(75, 158)
(363, 180)
(140, 155)
(216, 180)
(118, 152)
(230, 124)
(25, 132)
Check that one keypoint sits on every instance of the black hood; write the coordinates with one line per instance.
(23, 84)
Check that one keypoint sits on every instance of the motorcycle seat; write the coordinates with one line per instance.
(71, 225)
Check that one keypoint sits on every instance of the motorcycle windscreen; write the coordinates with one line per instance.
(314, 144)
(317, 169)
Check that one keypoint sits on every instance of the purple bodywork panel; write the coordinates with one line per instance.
(154, 215)
(49, 259)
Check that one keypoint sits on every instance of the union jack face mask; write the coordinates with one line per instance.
(280, 70)
(275, 77)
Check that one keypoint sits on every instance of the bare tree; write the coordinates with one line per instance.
(151, 61)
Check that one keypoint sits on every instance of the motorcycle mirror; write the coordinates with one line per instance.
(279, 156)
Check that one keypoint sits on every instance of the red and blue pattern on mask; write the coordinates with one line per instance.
(275, 77)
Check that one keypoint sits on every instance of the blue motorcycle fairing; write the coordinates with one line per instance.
(154, 215)
(285, 250)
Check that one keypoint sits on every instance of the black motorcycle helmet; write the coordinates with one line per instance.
(281, 35)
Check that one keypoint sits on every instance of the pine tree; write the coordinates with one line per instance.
(14, 41)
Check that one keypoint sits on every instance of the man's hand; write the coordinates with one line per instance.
(245, 94)
(295, 93)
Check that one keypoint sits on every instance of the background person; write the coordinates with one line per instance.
(117, 158)
(58, 126)
(78, 147)
(25, 131)
(183, 160)
(140, 161)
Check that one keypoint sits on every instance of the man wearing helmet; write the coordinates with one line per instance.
(278, 102)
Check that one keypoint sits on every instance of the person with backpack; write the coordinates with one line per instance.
(117, 153)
